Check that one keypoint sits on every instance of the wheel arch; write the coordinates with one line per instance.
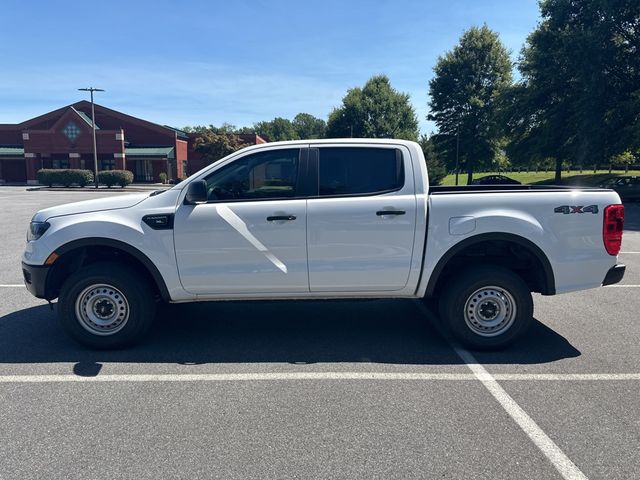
(66, 259)
(547, 278)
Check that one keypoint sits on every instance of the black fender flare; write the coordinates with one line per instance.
(549, 278)
(125, 247)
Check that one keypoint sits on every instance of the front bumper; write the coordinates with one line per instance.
(614, 275)
(35, 279)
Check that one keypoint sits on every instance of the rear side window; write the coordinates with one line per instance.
(359, 171)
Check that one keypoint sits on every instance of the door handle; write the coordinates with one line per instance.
(275, 218)
(380, 213)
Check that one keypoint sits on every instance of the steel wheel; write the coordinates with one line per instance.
(487, 307)
(490, 311)
(102, 309)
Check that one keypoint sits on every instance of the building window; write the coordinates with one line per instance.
(71, 131)
(60, 163)
(108, 164)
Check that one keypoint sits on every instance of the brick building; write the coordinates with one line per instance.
(62, 139)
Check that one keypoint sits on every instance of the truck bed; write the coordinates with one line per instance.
(440, 189)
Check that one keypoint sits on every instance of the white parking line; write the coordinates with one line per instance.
(15, 285)
(289, 376)
(549, 449)
(582, 377)
(556, 456)
(236, 377)
(622, 253)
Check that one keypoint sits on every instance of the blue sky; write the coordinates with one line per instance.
(202, 62)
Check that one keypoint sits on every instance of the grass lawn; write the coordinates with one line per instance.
(587, 178)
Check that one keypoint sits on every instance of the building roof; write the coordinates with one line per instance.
(53, 116)
(180, 133)
(85, 117)
(11, 150)
(165, 152)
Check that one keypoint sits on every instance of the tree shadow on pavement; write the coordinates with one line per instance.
(631, 216)
(297, 332)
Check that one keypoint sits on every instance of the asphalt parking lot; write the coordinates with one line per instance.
(348, 389)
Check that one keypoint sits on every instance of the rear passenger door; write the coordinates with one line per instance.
(361, 223)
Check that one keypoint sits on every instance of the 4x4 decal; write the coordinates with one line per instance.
(567, 209)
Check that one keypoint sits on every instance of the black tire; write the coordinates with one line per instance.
(125, 282)
(468, 291)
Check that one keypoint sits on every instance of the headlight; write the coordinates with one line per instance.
(36, 230)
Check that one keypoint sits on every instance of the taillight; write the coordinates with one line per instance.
(612, 228)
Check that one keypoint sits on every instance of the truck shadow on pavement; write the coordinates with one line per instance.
(294, 332)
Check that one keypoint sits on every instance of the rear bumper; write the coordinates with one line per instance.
(614, 275)
(35, 279)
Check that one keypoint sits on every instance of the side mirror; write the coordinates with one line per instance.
(196, 193)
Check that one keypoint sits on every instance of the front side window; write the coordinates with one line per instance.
(265, 175)
(359, 171)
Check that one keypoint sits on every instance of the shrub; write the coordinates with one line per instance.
(66, 177)
(115, 177)
(163, 177)
(46, 177)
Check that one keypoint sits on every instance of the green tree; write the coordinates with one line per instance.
(213, 145)
(435, 167)
(625, 158)
(227, 128)
(579, 98)
(277, 130)
(308, 126)
(375, 111)
(465, 92)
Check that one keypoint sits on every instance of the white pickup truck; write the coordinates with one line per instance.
(322, 219)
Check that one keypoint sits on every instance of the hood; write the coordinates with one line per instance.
(87, 206)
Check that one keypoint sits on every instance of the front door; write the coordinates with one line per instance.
(362, 224)
(143, 171)
(250, 237)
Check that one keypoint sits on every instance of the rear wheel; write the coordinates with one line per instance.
(487, 307)
(106, 306)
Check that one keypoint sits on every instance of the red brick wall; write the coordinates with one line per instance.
(182, 148)
(45, 142)
(10, 135)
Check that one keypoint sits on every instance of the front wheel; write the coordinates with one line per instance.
(487, 307)
(106, 306)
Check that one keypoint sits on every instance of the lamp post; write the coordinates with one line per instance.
(93, 128)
